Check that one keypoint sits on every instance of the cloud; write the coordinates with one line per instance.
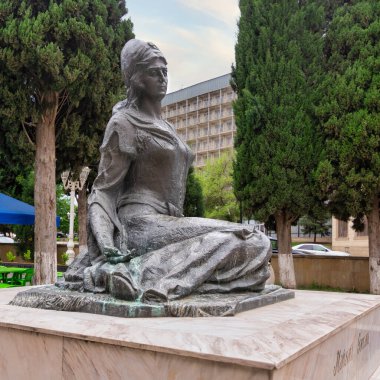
(196, 50)
(199, 55)
(226, 11)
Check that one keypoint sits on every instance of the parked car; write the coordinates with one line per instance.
(6, 239)
(275, 247)
(318, 249)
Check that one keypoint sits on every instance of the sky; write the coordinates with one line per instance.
(197, 37)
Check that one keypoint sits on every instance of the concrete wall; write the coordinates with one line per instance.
(347, 273)
(320, 240)
(4, 248)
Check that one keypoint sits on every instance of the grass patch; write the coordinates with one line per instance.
(325, 288)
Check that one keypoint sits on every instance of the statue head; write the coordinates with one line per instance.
(136, 56)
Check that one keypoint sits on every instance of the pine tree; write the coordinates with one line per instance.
(350, 114)
(317, 224)
(53, 55)
(277, 53)
(16, 155)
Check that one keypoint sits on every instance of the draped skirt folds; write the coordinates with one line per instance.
(181, 256)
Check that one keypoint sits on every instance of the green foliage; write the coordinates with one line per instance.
(27, 255)
(216, 180)
(326, 288)
(14, 160)
(277, 69)
(59, 68)
(65, 257)
(194, 204)
(350, 110)
(10, 256)
(316, 224)
(67, 47)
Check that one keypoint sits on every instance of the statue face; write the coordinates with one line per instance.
(155, 80)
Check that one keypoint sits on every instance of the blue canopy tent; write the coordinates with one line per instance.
(13, 211)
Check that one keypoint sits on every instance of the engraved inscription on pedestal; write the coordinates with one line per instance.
(346, 355)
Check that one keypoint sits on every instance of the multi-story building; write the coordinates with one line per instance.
(202, 115)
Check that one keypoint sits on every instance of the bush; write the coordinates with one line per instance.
(65, 256)
(27, 255)
(10, 256)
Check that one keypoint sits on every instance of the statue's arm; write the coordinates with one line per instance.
(113, 168)
(103, 230)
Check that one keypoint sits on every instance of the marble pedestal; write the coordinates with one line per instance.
(316, 335)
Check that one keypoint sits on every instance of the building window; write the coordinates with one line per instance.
(342, 229)
(365, 230)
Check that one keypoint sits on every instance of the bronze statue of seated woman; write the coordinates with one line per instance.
(140, 246)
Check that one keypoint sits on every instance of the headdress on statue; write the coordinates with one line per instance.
(137, 53)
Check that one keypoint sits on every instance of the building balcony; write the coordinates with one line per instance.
(214, 116)
(202, 149)
(214, 148)
(203, 104)
(191, 122)
(228, 99)
(214, 132)
(226, 113)
(215, 101)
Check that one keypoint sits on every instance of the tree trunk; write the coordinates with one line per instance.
(315, 237)
(374, 246)
(45, 230)
(285, 258)
(82, 218)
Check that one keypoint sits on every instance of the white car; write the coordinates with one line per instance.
(318, 249)
(6, 239)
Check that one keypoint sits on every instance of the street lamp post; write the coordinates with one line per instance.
(70, 184)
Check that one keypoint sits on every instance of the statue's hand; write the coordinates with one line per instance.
(114, 256)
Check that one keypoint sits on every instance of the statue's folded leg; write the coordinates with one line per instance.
(194, 260)
(216, 262)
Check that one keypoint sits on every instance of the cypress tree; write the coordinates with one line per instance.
(350, 115)
(53, 55)
(194, 204)
(277, 53)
